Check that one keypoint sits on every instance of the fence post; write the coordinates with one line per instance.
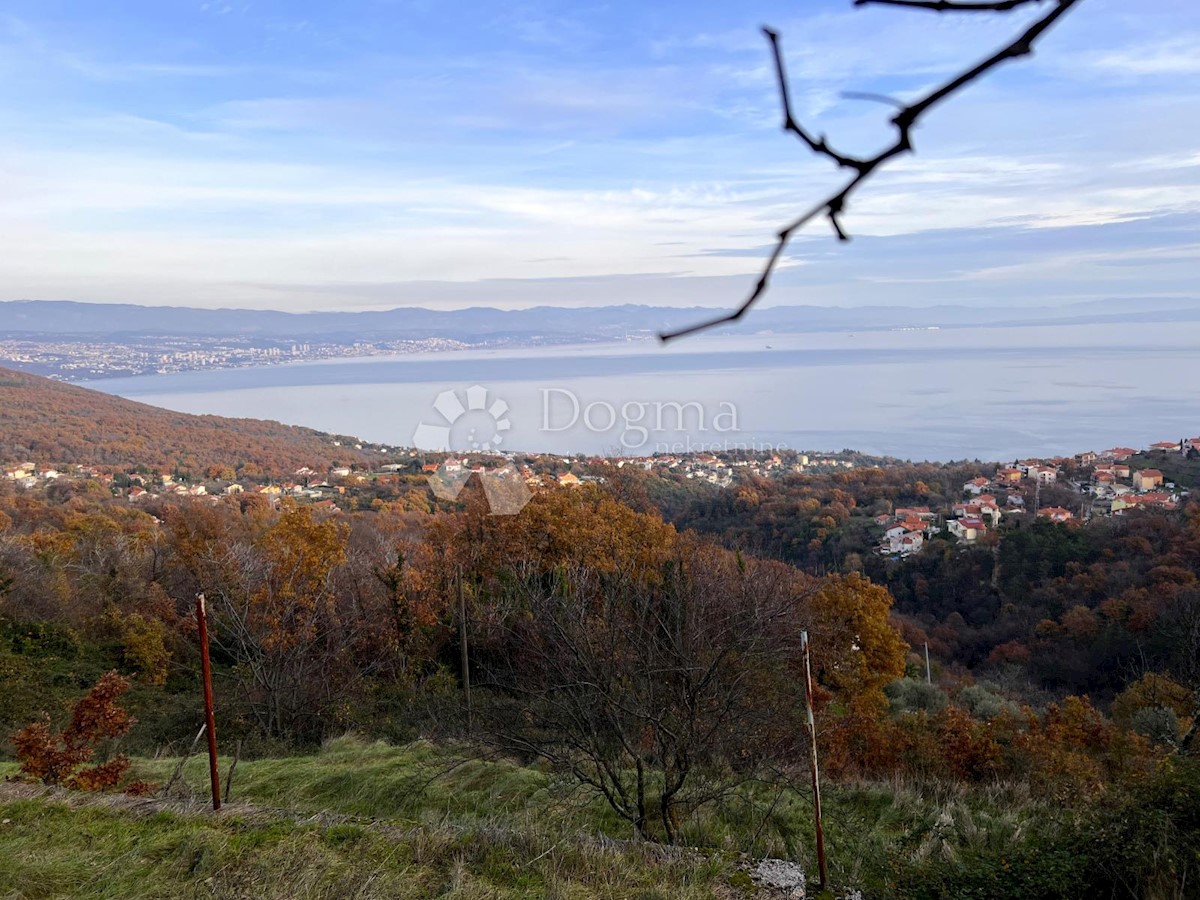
(209, 720)
(816, 778)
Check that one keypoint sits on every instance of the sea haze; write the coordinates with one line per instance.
(989, 393)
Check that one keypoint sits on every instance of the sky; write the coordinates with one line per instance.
(357, 155)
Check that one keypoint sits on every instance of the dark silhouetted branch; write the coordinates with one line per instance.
(953, 5)
(904, 121)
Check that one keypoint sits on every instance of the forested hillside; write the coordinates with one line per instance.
(44, 420)
(632, 643)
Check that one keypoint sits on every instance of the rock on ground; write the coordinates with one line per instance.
(781, 875)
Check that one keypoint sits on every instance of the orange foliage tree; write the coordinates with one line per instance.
(60, 759)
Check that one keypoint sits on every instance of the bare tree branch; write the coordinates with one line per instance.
(953, 5)
(904, 122)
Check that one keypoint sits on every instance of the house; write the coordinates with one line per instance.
(976, 485)
(900, 542)
(967, 529)
(1167, 446)
(1119, 454)
(24, 470)
(234, 489)
(340, 472)
(915, 512)
(1056, 514)
(1086, 458)
(1042, 474)
(1147, 479)
(137, 494)
(1009, 475)
(1159, 500)
(1121, 470)
(568, 479)
(1106, 477)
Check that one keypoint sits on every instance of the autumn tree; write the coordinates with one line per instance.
(60, 759)
(658, 692)
(275, 613)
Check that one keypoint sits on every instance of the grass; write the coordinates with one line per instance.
(366, 819)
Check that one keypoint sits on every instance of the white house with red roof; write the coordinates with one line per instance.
(1042, 474)
(976, 485)
(1056, 514)
(967, 529)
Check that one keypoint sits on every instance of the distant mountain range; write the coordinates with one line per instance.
(123, 322)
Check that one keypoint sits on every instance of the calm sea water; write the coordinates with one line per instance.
(995, 393)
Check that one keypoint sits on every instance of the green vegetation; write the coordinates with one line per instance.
(367, 819)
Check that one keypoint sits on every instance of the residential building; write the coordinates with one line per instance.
(1056, 514)
(1147, 479)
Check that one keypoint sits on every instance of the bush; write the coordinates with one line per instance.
(984, 704)
(59, 759)
(1159, 724)
(908, 695)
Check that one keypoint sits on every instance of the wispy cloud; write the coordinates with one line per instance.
(253, 153)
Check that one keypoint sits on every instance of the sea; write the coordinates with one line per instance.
(923, 394)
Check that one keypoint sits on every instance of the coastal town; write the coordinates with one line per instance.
(1067, 490)
(72, 360)
(1084, 486)
(309, 484)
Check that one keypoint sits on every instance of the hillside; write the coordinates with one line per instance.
(366, 819)
(46, 421)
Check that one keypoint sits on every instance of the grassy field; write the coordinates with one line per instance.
(370, 820)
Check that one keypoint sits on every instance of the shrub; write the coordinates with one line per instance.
(60, 759)
(913, 695)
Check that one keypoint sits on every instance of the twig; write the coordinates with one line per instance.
(179, 768)
(952, 5)
(237, 754)
(904, 121)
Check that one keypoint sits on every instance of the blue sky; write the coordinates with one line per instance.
(383, 153)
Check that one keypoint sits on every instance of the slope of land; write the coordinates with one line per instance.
(372, 820)
(45, 421)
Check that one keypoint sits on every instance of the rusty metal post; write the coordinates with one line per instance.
(210, 722)
(816, 778)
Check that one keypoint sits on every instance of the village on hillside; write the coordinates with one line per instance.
(1060, 489)
(329, 487)
(1090, 484)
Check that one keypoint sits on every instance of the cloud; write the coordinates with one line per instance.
(612, 152)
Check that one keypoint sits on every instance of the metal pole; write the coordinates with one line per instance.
(816, 778)
(209, 720)
(928, 673)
